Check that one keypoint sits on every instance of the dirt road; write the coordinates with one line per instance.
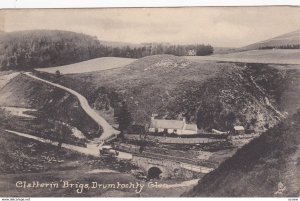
(108, 130)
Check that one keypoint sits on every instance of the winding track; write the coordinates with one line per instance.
(108, 130)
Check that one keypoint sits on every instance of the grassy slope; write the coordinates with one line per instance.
(52, 104)
(257, 168)
(207, 93)
(98, 64)
(292, 38)
(276, 56)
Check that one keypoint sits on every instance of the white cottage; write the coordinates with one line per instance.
(192, 53)
(239, 130)
(179, 127)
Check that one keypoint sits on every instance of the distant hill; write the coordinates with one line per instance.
(261, 168)
(286, 41)
(213, 95)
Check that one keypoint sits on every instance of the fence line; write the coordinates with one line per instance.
(170, 140)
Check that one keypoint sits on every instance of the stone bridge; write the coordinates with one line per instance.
(154, 167)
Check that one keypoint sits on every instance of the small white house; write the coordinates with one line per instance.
(192, 52)
(179, 127)
(239, 130)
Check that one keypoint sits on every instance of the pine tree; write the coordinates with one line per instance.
(124, 118)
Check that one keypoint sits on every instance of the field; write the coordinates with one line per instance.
(6, 76)
(98, 64)
(273, 56)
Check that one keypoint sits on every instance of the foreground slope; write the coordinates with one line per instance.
(261, 168)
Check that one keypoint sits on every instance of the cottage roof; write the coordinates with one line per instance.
(239, 128)
(163, 123)
(171, 124)
(192, 127)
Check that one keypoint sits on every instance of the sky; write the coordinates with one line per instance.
(218, 26)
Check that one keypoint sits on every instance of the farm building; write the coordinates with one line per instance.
(179, 127)
(192, 53)
(239, 130)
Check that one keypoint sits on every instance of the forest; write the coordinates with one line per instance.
(25, 50)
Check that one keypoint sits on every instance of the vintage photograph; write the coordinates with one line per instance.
(150, 102)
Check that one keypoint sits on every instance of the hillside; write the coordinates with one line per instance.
(286, 41)
(52, 106)
(213, 95)
(260, 168)
(98, 64)
(44, 48)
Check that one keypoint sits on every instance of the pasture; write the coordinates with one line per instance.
(272, 56)
(103, 63)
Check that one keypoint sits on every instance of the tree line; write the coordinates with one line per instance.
(290, 46)
(25, 50)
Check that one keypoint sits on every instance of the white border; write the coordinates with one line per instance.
(142, 3)
(150, 199)
(138, 3)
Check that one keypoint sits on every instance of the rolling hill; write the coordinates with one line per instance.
(267, 166)
(213, 95)
(283, 49)
(285, 41)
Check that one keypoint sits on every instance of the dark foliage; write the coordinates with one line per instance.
(25, 50)
(291, 46)
(31, 49)
(123, 117)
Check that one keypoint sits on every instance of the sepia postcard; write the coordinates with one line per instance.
(150, 102)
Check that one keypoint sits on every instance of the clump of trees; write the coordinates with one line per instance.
(178, 50)
(25, 50)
